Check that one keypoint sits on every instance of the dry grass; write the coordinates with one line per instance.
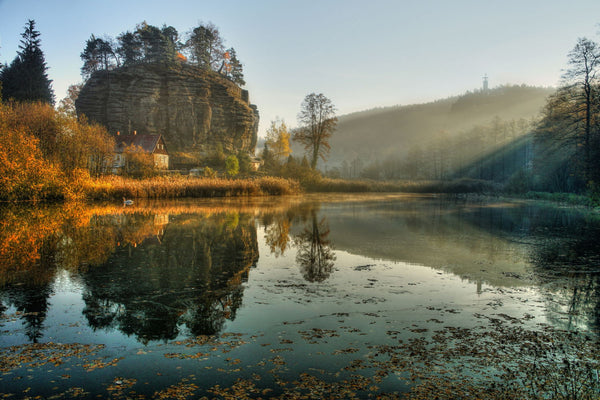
(114, 187)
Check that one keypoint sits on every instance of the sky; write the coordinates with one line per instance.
(361, 54)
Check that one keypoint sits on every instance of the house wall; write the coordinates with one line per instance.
(161, 161)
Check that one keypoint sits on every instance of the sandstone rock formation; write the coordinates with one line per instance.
(193, 109)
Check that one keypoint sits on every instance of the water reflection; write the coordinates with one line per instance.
(567, 262)
(314, 255)
(159, 271)
(149, 274)
(31, 303)
(187, 278)
(564, 255)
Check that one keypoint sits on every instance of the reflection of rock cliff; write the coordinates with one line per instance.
(189, 281)
(192, 108)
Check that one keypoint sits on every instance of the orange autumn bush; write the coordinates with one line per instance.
(25, 174)
(47, 155)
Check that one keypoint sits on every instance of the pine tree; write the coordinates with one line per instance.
(26, 78)
(237, 75)
(205, 46)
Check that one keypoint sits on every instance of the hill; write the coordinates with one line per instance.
(366, 137)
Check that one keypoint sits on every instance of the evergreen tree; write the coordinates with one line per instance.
(205, 46)
(159, 45)
(26, 78)
(130, 48)
(170, 43)
(235, 68)
(91, 57)
(99, 54)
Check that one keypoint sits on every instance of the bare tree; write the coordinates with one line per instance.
(315, 255)
(318, 122)
(584, 61)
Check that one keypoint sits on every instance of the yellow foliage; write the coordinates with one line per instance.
(278, 139)
(47, 155)
(24, 172)
(138, 163)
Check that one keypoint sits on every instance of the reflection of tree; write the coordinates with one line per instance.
(278, 224)
(188, 281)
(277, 234)
(32, 305)
(145, 275)
(562, 245)
(568, 266)
(315, 255)
(28, 238)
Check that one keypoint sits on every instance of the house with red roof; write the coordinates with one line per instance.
(149, 144)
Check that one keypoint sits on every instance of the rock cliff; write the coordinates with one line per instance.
(193, 109)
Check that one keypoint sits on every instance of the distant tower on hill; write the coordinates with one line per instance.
(485, 83)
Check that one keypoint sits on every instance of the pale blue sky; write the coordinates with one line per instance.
(361, 54)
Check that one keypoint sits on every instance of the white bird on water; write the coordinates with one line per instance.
(127, 202)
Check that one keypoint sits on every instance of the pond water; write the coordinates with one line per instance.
(331, 296)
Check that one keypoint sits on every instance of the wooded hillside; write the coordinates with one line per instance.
(395, 133)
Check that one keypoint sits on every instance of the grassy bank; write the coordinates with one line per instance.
(114, 187)
(566, 198)
(355, 186)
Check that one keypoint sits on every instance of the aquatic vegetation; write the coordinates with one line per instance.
(499, 360)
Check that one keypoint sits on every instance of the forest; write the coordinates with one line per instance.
(441, 140)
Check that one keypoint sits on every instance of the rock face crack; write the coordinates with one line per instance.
(194, 109)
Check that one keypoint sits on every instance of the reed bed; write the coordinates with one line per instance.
(114, 187)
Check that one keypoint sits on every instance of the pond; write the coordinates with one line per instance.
(337, 296)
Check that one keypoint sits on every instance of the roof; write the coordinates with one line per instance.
(146, 142)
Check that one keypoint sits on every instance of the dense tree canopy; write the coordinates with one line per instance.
(26, 78)
(202, 46)
(205, 46)
(98, 55)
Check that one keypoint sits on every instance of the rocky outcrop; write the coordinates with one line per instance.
(193, 109)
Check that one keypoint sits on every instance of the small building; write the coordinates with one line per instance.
(150, 144)
(255, 163)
